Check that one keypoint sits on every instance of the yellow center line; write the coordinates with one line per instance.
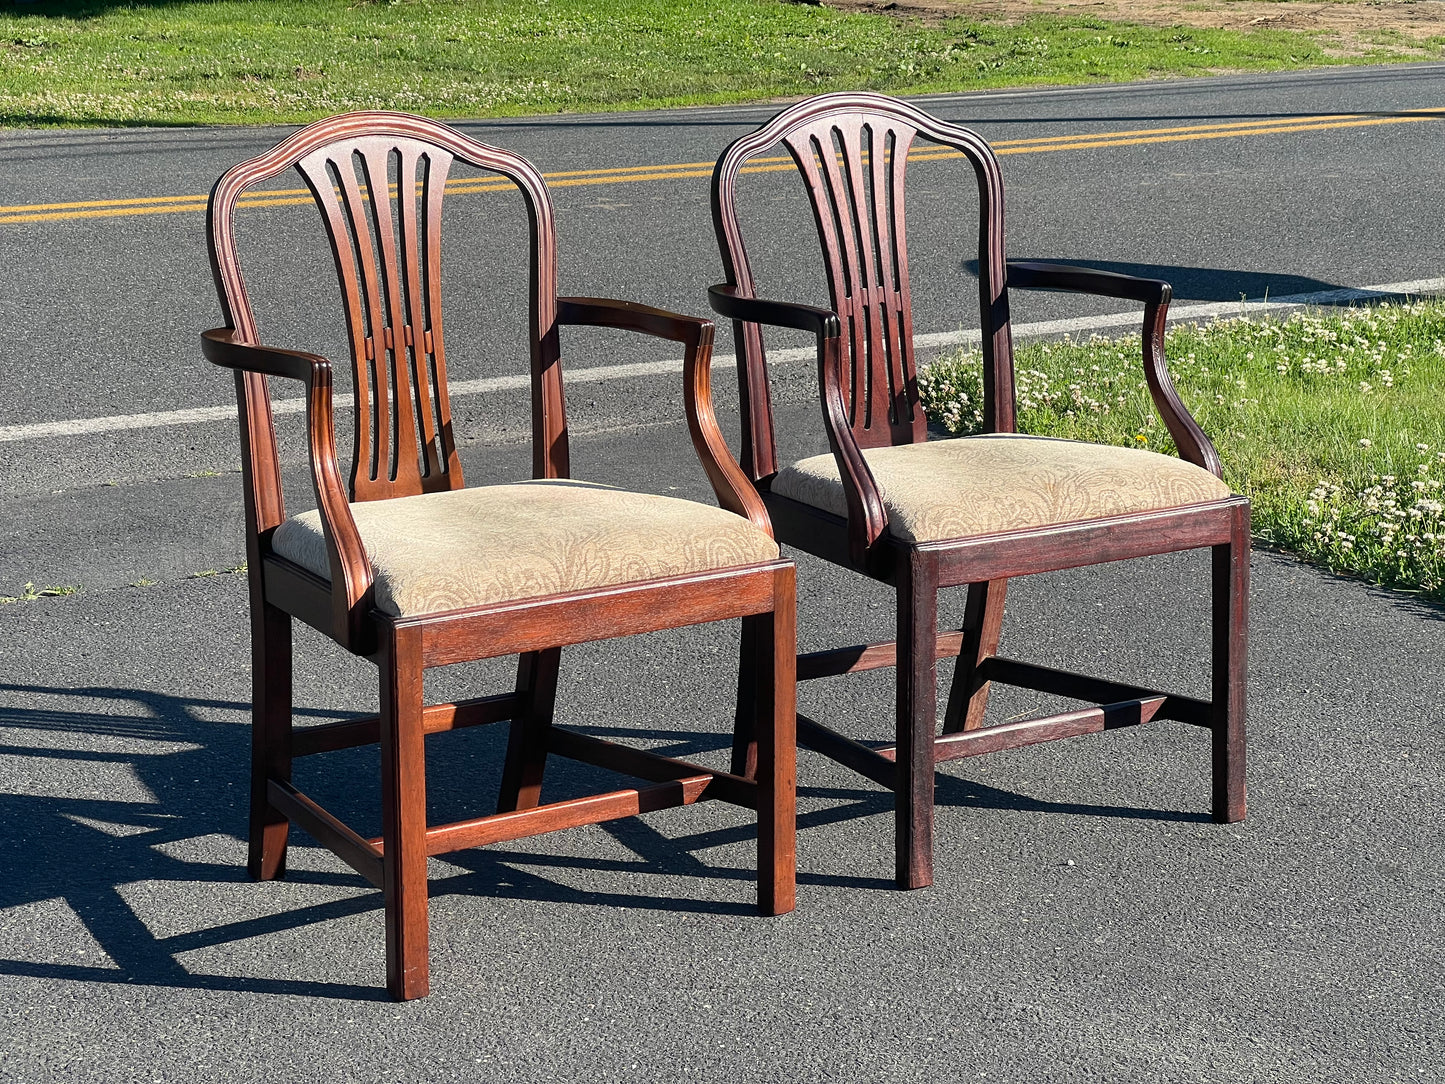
(151, 205)
(1126, 139)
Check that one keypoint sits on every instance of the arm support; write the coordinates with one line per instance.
(1194, 446)
(1028, 275)
(351, 573)
(734, 491)
(221, 348)
(867, 518)
(726, 301)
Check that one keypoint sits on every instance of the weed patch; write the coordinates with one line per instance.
(1333, 423)
(29, 593)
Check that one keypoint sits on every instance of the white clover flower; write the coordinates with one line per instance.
(1365, 442)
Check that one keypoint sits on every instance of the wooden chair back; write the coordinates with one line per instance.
(852, 152)
(379, 180)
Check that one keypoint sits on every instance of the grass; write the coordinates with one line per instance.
(283, 61)
(1332, 422)
(234, 570)
(30, 593)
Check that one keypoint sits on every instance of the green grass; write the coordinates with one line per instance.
(30, 593)
(1332, 423)
(266, 61)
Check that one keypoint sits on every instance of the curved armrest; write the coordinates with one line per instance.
(726, 301)
(867, 518)
(350, 567)
(1194, 446)
(630, 316)
(221, 348)
(1030, 275)
(733, 489)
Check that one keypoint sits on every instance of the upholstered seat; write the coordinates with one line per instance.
(971, 486)
(474, 547)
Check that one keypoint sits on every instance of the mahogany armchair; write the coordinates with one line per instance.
(402, 565)
(921, 515)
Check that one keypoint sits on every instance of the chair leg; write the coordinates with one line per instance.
(774, 639)
(982, 625)
(1231, 665)
(270, 737)
(917, 721)
(403, 815)
(751, 657)
(527, 743)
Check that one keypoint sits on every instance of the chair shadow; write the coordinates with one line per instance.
(1207, 283)
(83, 850)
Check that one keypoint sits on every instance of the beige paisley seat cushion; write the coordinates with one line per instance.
(971, 486)
(494, 544)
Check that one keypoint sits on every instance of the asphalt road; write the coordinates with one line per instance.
(104, 310)
(1087, 922)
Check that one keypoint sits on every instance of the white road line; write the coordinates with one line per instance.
(602, 373)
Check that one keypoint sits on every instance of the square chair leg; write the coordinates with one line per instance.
(526, 760)
(774, 726)
(270, 737)
(1230, 669)
(982, 626)
(917, 679)
(403, 816)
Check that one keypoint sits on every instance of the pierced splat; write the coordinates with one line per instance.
(854, 170)
(388, 255)
(379, 179)
(852, 153)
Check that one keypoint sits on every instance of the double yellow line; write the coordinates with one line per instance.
(159, 205)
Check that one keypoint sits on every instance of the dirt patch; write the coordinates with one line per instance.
(1345, 27)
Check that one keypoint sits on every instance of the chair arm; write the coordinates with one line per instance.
(867, 517)
(630, 316)
(221, 348)
(726, 301)
(350, 567)
(733, 489)
(1029, 275)
(1194, 446)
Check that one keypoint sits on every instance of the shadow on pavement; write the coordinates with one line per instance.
(85, 850)
(1203, 283)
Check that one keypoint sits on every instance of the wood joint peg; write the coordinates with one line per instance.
(388, 338)
(370, 348)
(406, 334)
(427, 342)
